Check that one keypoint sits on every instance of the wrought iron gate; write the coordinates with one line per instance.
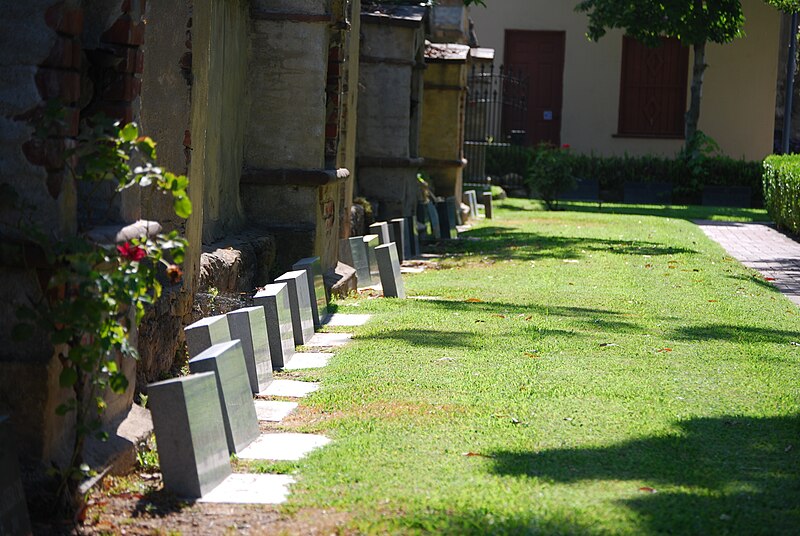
(495, 137)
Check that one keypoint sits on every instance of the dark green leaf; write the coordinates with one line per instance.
(68, 377)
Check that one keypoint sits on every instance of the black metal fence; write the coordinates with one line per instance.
(495, 135)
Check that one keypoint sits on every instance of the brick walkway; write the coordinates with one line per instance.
(761, 247)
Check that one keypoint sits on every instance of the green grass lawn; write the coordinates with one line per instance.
(606, 373)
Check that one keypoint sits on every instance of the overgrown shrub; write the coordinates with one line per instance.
(782, 190)
(550, 174)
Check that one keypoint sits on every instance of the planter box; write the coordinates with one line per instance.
(727, 196)
(648, 193)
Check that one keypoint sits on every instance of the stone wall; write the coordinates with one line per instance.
(442, 140)
(85, 56)
(390, 109)
(299, 133)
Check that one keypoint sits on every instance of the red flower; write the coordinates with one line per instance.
(132, 253)
(565, 146)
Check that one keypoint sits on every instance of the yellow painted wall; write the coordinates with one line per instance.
(738, 106)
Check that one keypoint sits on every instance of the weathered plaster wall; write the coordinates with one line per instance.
(738, 93)
(349, 127)
(286, 119)
(389, 113)
(442, 133)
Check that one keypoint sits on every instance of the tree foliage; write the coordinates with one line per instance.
(787, 6)
(691, 21)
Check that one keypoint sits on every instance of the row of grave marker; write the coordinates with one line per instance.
(201, 419)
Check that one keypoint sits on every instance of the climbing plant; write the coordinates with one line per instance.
(97, 292)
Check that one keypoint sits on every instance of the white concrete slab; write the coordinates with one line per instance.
(283, 446)
(412, 269)
(308, 360)
(289, 388)
(346, 320)
(250, 489)
(274, 410)
(326, 340)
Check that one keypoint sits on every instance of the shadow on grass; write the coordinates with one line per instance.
(766, 285)
(587, 317)
(682, 212)
(510, 244)
(744, 334)
(724, 474)
(479, 522)
(429, 337)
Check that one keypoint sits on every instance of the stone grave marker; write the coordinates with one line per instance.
(226, 360)
(413, 236)
(370, 243)
(187, 420)
(398, 233)
(389, 264)
(300, 304)
(249, 325)
(487, 204)
(205, 333)
(433, 217)
(316, 288)
(381, 229)
(472, 200)
(14, 518)
(274, 299)
(447, 218)
(358, 251)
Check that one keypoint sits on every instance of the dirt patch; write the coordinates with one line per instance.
(138, 505)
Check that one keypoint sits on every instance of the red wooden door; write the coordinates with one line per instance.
(539, 55)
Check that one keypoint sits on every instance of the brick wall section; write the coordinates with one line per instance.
(333, 92)
(58, 78)
(118, 93)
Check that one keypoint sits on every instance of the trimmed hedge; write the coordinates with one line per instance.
(688, 176)
(782, 190)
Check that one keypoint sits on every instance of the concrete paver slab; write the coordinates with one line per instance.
(308, 360)
(346, 320)
(274, 410)
(328, 340)
(289, 388)
(283, 446)
(250, 489)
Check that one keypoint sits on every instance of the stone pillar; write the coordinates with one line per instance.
(291, 184)
(443, 122)
(390, 78)
(449, 22)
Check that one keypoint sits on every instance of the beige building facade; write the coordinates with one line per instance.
(738, 106)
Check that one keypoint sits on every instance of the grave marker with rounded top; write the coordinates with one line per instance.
(226, 360)
(249, 325)
(398, 233)
(381, 229)
(389, 264)
(274, 299)
(187, 420)
(300, 303)
(205, 333)
(316, 286)
(14, 517)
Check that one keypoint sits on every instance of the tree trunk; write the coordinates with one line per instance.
(693, 114)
